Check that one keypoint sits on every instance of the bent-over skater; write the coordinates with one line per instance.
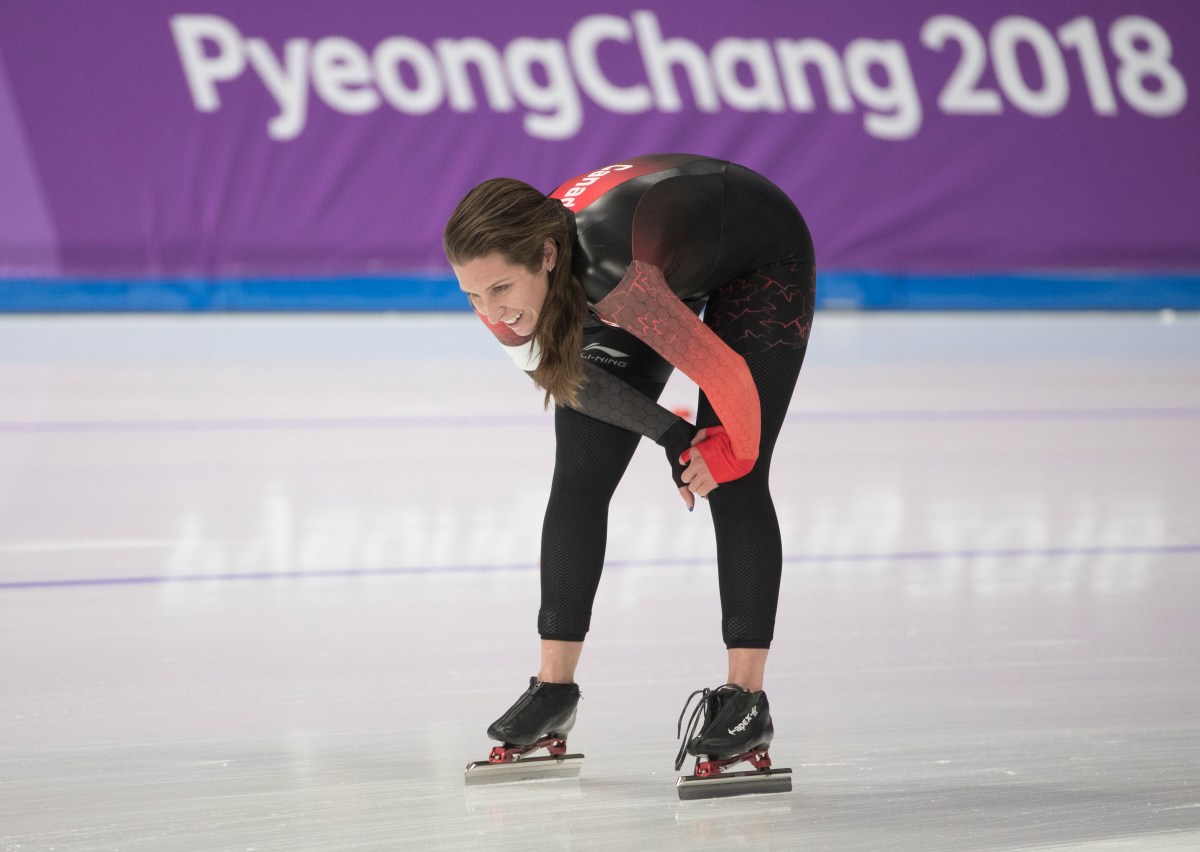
(597, 292)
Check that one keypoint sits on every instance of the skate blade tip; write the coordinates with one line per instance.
(529, 769)
(735, 784)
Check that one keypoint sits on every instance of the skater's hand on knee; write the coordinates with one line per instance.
(697, 478)
(676, 441)
(714, 447)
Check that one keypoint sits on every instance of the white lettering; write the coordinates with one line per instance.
(764, 92)
(794, 56)
(1005, 38)
(584, 41)
(202, 70)
(627, 65)
(287, 83)
(587, 180)
(660, 56)
(558, 96)
(341, 74)
(897, 100)
(741, 726)
(426, 94)
(455, 55)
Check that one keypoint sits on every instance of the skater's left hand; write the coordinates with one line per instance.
(697, 478)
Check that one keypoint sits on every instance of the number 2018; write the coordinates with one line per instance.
(1142, 48)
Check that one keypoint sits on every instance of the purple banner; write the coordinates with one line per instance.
(170, 139)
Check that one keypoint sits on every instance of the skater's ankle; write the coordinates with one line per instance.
(559, 681)
(747, 667)
(747, 684)
(559, 660)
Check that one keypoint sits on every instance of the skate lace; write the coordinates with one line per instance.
(696, 722)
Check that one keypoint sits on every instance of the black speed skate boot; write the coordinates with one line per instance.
(541, 718)
(734, 727)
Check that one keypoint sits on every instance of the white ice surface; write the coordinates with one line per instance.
(264, 581)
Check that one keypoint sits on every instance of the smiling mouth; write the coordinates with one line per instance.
(515, 319)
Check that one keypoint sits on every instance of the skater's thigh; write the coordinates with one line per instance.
(584, 444)
(590, 453)
(775, 373)
(587, 447)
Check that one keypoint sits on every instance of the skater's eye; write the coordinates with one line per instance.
(499, 289)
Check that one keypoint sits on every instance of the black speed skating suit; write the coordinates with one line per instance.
(662, 240)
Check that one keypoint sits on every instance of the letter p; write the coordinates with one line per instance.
(204, 70)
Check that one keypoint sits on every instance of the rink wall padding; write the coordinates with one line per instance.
(301, 155)
(835, 290)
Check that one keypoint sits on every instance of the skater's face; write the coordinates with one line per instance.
(508, 293)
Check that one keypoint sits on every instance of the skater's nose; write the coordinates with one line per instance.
(493, 309)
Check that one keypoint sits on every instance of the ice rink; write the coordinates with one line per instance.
(265, 580)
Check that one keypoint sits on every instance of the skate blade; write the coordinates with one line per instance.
(526, 769)
(735, 784)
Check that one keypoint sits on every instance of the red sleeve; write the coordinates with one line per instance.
(644, 305)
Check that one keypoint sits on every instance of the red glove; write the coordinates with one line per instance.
(718, 455)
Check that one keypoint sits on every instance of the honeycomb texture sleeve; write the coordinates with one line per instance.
(644, 305)
(607, 398)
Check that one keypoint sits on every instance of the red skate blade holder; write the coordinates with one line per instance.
(509, 763)
(712, 781)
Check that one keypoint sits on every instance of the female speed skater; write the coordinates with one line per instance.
(597, 292)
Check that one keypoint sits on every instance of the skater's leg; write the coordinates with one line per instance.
(590, 457)
(765, 316)
(559, 660)
(746, 667)
(734, 720)
(749, 549)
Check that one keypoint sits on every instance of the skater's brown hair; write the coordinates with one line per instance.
(510, 217)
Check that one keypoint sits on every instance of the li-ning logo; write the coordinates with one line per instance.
(741, 726)
(605, 355)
